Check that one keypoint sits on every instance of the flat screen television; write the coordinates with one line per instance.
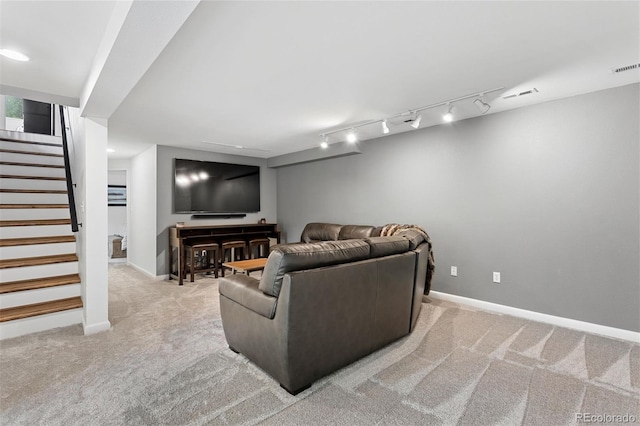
(210, 187)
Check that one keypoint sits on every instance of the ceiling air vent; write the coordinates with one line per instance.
(626, 68)
(516, 95)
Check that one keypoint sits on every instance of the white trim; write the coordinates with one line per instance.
(140, 269)
(95, 328)
(617, 333)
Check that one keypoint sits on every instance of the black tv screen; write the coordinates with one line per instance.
(209, 187)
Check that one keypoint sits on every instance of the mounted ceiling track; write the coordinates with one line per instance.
(414, 114)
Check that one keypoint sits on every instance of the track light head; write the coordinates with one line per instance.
(352, 137)
(416, 121)
(325, 142)
(385, 128)
(448, 116)
(482, 105)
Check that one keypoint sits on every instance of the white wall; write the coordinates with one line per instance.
(89, 172)
(142, 193)
(117, 214)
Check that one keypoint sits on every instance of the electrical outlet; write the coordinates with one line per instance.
(496, 277)
(454, 271)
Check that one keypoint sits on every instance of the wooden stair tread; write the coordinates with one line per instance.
(36, 283)
(34, 191)
(38, 260)
(12, 242)
(26, 311)
(17, 151)
(34, 206)
(32, 177)
(35, 222)
(13, 163)
(30, 142)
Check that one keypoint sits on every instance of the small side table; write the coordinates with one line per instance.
(247, 266)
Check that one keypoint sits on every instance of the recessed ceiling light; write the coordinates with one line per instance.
(12, 54)
(111, 150)
(351, 136)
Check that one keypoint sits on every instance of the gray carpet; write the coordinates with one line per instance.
(166, 361)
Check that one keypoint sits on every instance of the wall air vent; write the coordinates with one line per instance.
(523, 93)
(625, 68)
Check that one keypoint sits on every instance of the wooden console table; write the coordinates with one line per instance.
(179, 236)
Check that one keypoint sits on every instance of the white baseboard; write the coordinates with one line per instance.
(140, 269)
(96, 328)
(588, 327)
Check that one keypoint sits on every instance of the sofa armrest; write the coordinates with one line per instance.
(243, 290)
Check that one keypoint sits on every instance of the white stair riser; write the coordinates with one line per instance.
(32, 183)
(28, 214)
(30, 325)
(29, 297)
(40, 271)
(36, 250)
(32, 198)
(30, 159)
(30, 147)
(34, 231)
(32, 171)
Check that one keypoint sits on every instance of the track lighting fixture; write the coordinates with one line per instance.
(448, 116)
(385, 128)
(352, 137)
(416, 121)
(482, 105)
(325, 142)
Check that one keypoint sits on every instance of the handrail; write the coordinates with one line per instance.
(67, 172)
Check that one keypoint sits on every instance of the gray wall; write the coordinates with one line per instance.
(165, 216)
(547, 195)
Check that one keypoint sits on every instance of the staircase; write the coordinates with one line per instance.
(39, 281)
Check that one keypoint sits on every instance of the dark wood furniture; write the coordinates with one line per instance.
(208, 261)
(247, 266)
(260, 245)
(179, 236)
(237, 250)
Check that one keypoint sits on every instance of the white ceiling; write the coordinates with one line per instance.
(272, 76)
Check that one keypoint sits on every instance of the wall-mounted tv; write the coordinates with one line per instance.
(210, 187)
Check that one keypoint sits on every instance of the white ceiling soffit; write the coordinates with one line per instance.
(137, 32)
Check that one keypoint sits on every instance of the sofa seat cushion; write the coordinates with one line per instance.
(320, 232)
(298, 257)
(386, 246)
(243, 290)
(351, 232)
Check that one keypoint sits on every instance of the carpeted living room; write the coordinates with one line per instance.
(319, 213)
(166, 361)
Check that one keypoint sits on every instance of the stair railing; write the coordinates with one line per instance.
(67, 172)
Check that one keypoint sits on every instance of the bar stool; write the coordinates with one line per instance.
(236, 249)
(262, 244)
(209, 261)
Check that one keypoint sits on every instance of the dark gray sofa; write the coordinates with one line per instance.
(320, 305)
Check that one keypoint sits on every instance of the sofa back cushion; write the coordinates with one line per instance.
(414, 237)
(352, 232)
(315, 232)
(297, 257)
(386, 246)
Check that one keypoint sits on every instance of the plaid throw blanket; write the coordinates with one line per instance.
(395, 229)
